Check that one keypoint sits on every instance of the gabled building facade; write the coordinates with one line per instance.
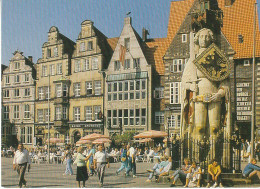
(128, 85)
(53, 84)
(18, 96)
(90, 58)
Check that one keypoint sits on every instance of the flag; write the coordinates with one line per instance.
(122, 54)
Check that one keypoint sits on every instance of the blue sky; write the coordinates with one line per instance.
(25, 23)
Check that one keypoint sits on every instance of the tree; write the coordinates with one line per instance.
(124, 138)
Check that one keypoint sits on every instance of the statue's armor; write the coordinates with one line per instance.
(206, 86)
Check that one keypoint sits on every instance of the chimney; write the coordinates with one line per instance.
(144, 34)
(229, 2)
(128, 20)
(30, 58)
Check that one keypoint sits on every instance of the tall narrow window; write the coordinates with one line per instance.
(77, 89)
(86, 64)
(116, 65)
(44, 71)
(175, 93)
(136, 62)
(26, 111)
(77, 65)
(7, 79)
(46, 115)
(16, 111)
(17, 79)
(94, 63)
(48, 92)
(76, 113)
(17, 65)
(127, 64)
(6, 112)
(64, 112)
(52, 69)
(55, 51)
(58, 90)
(6, 93)
(89, 88)
(82, 47)
(97, 109)
(88, 113)
(65, 90)
(26, 77)
(29, 135)
(137, 116)
(40, 93)
(171, 121)
(27, 92)
(127, 43)
(58, 113)
(16, 93)
(131, 117)
(143, 114)
(184, 38)
(90, 45)
(48, 53)
(23, 135)
(59, 68)
(125, 116)
(97, 87)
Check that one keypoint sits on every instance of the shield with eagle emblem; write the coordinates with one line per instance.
(213, 63)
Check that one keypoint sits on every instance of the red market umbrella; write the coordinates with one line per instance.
(83, 142)
(151, 134)
(93, 136)
(145, 140)
(101, 141)
(55, 140)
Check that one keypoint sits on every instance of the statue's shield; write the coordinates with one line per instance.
(213, 64)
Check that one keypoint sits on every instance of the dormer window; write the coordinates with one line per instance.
(246, 63)
(82, 47)
(240, 38)
(90, 45)
(127, 43)
(184, 38)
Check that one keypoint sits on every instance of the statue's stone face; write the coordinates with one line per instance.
(204, 39)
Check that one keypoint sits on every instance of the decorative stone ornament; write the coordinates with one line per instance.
(213, 64)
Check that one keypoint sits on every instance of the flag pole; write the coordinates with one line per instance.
(253, 89)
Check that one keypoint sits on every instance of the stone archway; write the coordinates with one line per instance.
(76, 136)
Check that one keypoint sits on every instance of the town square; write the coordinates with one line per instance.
(130, 93)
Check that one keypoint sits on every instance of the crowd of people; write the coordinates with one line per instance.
(92, 160)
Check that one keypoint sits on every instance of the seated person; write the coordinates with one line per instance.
(252, 169)
(182, 174)
(151, 154)
(214, 174)
(193, 176)
(160, 170)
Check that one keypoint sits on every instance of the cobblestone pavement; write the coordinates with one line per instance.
(45, 175)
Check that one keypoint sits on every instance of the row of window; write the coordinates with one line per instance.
(126, 64)
(90, 113)
(17, 78)
(126, 117)
(174, 121)
(17, 93)
(85, 65)
(61, 90)
(126, 96)
(126, 86)
(52, 69)
(82, 46)
(178, 65)
(16, 112)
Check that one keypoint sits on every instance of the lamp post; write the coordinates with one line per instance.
(49, 95)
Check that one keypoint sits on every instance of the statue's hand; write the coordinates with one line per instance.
(216, 97)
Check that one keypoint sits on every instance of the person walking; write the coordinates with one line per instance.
(68, 157)
(92, 151)
(21, 159)
(82, 173)
(124, 161)
(100, 160)
(131, 160)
